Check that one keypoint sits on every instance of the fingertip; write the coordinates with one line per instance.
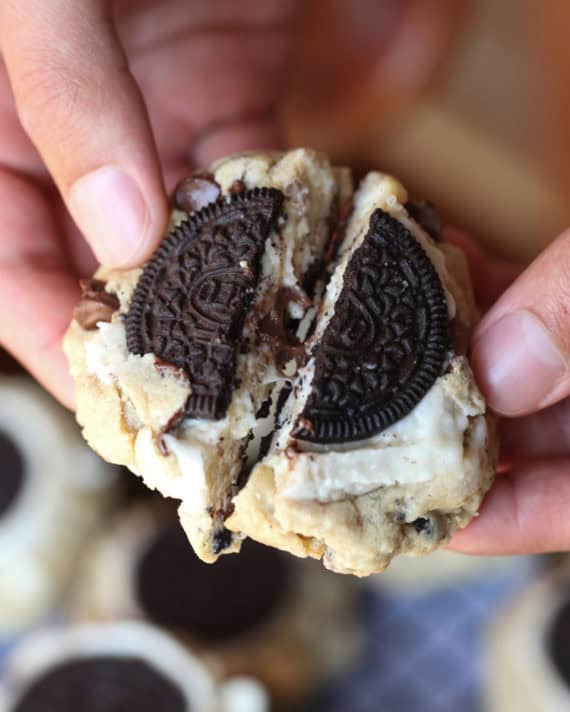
(257, 132)
(517, 363)
(121, 223)
(525, 512)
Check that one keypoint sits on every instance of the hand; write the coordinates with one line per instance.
(520, 355)
(80, 136)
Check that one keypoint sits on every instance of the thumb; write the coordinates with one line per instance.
(84, 112)
(521, 349)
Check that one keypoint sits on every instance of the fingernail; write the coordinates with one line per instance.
(110, 210)
(517, 363)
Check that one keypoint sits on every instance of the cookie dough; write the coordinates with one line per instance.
(117, 666)
(291, 365)
(284, 621)
(54, 494)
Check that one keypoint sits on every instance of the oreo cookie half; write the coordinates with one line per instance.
(190, 304)
(386, 343)
(103, 684)
(12, 470)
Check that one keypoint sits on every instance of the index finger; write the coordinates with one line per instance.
(37, 287)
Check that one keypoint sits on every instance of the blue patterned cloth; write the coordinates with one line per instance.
(423, 653)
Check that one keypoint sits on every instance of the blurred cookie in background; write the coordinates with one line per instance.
(528, 648)
(53, 494)
(264, 613)
(122, 666)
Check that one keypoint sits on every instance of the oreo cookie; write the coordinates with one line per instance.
(212, 603)
(12, 470)
(559, 641)
(386, 343)
(190, 304)
(103, 684)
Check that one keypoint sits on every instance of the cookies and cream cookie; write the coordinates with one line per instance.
(54, 492)
(120, 666)
(528, 648)
(290, 364)
(283, 621)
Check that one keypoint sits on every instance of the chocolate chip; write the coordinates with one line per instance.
(423, 526)
(264, 447)
(209, 601)
(427, 218)
(386, 343)
(190, 304)
(264, 409)
(95, 305)
(277, 327)
(102, 684)
(559, 641)
(195, 192)
(12, 472)
(221, 540)
(238, 186)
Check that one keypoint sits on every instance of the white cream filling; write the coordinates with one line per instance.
(425, 445)
(106, 352)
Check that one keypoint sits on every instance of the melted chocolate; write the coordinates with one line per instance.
(12, 472)
(195, 192)
(103, 684)
(238, 186)
(277, 327)
(95, 305)
(211, 602)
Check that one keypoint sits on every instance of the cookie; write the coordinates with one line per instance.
(49, 506)
(286, 622)
(291, 365)
(116, 666)
(528, 645)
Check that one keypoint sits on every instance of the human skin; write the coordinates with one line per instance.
(78, 138)
(104, 106)
(520, 355)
